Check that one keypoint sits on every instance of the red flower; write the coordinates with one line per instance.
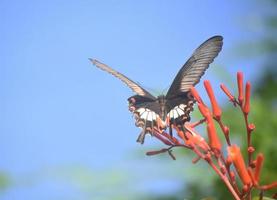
(212, 134)
(246, 107)
(259, 164)
(195, 95)
(240, 86)
(237, 160)
(227, 92)
(216, 109)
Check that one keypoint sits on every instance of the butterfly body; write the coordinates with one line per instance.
(162, 104)
(172, 109)
(160, 111)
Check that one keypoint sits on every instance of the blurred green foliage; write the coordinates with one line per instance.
(5, 181)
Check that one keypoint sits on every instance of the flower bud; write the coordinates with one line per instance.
(246, 107)
(240, 86)
(216, 109)
(237, 160)
(227, 92)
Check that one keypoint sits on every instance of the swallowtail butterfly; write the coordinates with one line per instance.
(173, 108)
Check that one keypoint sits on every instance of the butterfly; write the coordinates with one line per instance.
(151, 112)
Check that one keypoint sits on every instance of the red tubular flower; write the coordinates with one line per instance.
(237, 160)
(227, 92)
(216, 109)
(196, 139)
(246, 107)
(152, 153)
(240, 86)
(195, 95)
(259, 164)
(203, 109)
(250, 172)
(269, 186)
(213, 137)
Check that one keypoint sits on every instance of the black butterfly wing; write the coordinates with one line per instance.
(131, 84)
(146, 115)
(144, 106)
(191, 72)
(179, 109)
(179, 101)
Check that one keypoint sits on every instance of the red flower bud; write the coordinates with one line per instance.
(245, 188)
(228, 160)
(250, 172)
(246, 107)
(251, 127)
(213, 137)
(203, 109)
(226, 130)
(259, 164)
(195, 95)
(237, 159)
(269, 186)
(251, 149)
(199, 141)
(240, 86)
(227, 92)
(216, 109)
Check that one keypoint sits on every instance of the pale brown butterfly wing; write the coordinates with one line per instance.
(131, 84)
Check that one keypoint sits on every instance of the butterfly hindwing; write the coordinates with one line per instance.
(146, 115)
(179, 109)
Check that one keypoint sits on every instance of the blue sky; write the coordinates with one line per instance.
(58, 110)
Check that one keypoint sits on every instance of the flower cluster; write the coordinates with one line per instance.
(231, 168)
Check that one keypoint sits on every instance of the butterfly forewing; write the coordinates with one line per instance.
(131, 84)
(191, 72)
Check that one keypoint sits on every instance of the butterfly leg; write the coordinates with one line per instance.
(141, 137)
